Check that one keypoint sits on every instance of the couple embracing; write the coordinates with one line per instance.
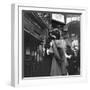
(59, 60)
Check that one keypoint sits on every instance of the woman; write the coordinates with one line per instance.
(58, 61)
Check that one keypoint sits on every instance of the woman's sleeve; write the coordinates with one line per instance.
(56, 53)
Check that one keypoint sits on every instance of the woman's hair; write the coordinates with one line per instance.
(54, 34)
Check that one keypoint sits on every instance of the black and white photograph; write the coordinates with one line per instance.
(50, 43)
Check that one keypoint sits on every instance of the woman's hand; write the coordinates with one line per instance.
(68, 56)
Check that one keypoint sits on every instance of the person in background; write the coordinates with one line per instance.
(74, 60)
